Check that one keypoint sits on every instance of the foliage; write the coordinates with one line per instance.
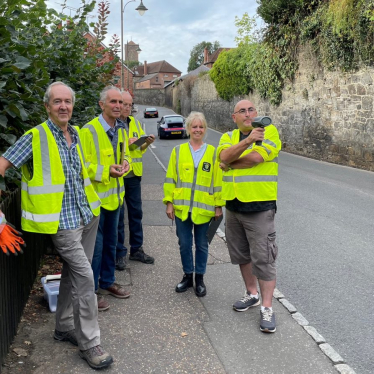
(197, 54)
(230, 72)
(245, 26)
(132, 64)
(341, 32)
(39, 46)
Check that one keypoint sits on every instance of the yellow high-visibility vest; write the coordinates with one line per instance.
(193, 189)
(100, 155)
(136, 131)
(42, 192)
(258, 183)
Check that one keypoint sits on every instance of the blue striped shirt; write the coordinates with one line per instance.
(74, 203)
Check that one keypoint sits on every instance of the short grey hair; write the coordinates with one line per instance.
(104, 92)
(195, 116)
(47, 95)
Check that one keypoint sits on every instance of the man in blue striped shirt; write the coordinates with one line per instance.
(76, 314)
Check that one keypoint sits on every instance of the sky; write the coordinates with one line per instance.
(171, 28)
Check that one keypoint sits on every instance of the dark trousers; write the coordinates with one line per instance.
(133, 199)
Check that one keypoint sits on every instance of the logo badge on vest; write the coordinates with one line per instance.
(135, 134)
(206, 166)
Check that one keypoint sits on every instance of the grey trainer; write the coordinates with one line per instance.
(121, 263)
(267, 323)
(245, 303)
(66, 336)
(96, 357)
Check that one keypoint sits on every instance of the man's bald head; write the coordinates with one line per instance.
(244, 112)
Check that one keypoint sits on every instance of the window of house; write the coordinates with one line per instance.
(175, 75)
(156, 79)
(165, 75)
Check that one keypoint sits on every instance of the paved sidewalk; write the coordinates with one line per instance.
(158, 330)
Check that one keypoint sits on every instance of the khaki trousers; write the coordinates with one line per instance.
(77, 302)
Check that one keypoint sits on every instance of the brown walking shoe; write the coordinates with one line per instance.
(102, 304)
(96, 357)
(115, 290)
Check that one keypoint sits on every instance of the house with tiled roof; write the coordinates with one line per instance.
(154, 74)
(209, 60)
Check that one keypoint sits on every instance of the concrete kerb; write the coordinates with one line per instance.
(326, 348)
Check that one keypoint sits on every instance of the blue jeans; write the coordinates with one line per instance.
(104, 258)
(133, 199)
(184, 233)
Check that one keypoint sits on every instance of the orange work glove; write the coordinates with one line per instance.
(11, 241)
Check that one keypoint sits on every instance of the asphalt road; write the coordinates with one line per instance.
(325, 236)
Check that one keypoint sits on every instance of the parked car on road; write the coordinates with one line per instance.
(172, 125)
(150, 112)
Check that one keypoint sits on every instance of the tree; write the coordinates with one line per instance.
(245, 26)
(197, 53)
(36, 49)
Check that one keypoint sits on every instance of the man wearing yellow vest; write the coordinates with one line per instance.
(105, 142)
(59, 199)
(133, 196)
(249, 187)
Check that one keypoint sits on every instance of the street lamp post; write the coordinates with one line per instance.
(141, 9)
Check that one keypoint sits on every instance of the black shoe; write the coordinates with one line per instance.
(200, 289)
(185, 283)
(139, 255)
(66, 336)
(121, 263)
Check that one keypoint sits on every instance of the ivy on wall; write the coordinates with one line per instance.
(340, 31)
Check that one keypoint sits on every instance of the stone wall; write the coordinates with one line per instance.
(324, 115)
(151, 97)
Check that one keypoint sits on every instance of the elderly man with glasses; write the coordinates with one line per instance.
(249, 160)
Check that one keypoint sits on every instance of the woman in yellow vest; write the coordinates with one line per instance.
(192, 192)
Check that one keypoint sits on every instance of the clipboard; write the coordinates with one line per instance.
(138, 142)
(213, 226)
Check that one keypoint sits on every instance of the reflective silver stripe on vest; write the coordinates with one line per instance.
(41, 218)
(182, 202)
(256, 178)
(177, 148)
(80, 145)
(274, 160)
(229, 133)
(136, 160)
(210, 208)
(46, 161)
(267, 141)
(169, 180)
(212, 182)
(217, 189)
(100, 168)
(47, 186)
(267, 150)
(41, 190)
(87, 182)
(95, 204)
(99, 173)
(105, 194)
(96, 142)
(202, 188)
(227, 178)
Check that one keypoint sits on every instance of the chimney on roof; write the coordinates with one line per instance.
(145, 68)
(206, 55)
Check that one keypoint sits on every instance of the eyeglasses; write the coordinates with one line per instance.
(243, 111)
